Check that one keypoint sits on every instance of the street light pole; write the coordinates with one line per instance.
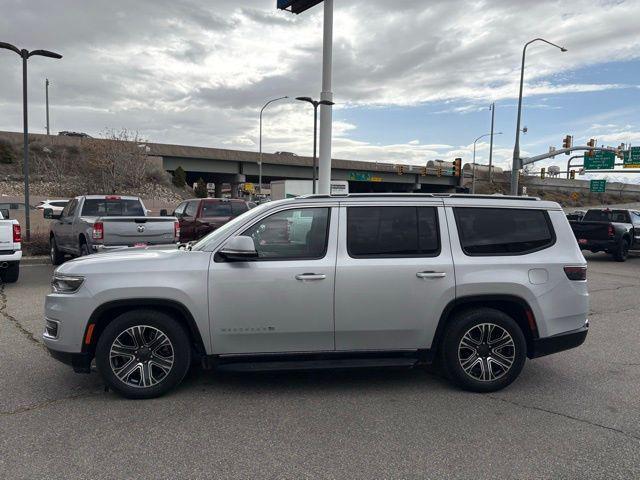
(46, 96)
(493, 116)
(326, 116)
(515, 166)
(473, 166)
(260, 141)
(315, 104)
(25, 55)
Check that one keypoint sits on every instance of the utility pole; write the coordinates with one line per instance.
(493, 116)
(46, 89)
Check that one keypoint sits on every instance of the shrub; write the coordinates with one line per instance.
(201, 188)
(7, 153)
(38, 245)
(179, 177)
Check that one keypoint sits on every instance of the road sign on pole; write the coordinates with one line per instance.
(598, 186)
(631, 158)
(600, 160)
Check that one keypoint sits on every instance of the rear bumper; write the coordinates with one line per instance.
(10, 256)
(80, 362)
(113, 248)
(599, 244)
(558, 343)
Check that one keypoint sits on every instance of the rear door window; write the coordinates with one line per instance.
(503, 231)
(192, 208)
(405, 231)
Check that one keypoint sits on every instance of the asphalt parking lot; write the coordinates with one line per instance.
(571, 415)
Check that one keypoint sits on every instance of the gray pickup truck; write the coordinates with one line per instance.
(95, 223)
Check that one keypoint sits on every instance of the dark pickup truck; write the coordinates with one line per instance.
(200, 216)
(606, 230)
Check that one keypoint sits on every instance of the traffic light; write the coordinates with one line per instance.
(457, 167)
(439, 171)
(620, 151)
(543, 172)
(591, 144)
(400, 169)
(567, 143)
(572, 174)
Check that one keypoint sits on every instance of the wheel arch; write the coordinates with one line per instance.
(107, 312)
(516, 307)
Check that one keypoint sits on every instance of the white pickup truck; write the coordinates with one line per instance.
(10, 248)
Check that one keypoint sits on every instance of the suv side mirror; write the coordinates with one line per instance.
(239, 249)
(163, 212)
(48, 213)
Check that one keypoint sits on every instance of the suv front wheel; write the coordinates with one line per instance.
(483, 350)
(143, 354)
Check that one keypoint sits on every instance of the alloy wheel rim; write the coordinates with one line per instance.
(486, 352)
(141, 356)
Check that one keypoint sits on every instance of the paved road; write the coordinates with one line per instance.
(572, 415)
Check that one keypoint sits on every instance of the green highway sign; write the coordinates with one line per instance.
(632, 158)
(598, 186)
(360, 176)
(601, 160)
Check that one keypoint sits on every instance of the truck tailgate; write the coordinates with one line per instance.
(591, 230)
(6, 235)
(132, 231)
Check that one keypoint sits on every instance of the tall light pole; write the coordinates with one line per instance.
(326, 114)
(473, 175)
(515, 166)
(260, 159)
(315, 104)
(493, 117)
(46, 96)
(25, 55)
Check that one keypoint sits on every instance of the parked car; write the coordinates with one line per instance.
(611, 231)
(95, 223)
(477, 284)
(56, 206)
(10, 248)
(200, 216)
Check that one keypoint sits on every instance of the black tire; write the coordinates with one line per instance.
(149, 320)
(84, 248)
(621, 253)
(57, 257)
(454, 353)
(11, 273)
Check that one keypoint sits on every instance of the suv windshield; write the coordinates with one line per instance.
(95, 207)
(620, 216)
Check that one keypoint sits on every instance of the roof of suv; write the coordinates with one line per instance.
(446, 198)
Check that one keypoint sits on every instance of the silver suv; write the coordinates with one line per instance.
(474, 283)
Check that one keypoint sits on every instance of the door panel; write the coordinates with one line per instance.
(391, 303)
(275, 304)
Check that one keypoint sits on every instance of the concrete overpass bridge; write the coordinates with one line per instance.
(224, 166)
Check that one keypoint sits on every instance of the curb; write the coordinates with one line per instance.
(39, 260)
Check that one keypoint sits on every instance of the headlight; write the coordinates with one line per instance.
(66, 283)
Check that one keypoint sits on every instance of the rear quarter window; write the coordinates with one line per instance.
(503, 231)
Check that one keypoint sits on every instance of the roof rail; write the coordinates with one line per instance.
(412, 195)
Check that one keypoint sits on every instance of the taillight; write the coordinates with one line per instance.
(112, 197)
(612, 232)
(576, 273)
(176, 229)
(98, 231)
(17, 236)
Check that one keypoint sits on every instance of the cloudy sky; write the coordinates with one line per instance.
(412, 82)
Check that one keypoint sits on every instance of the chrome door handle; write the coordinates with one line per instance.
(310, 276)
(431, 274)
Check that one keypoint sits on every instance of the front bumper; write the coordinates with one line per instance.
(557, 343)
(81, 362)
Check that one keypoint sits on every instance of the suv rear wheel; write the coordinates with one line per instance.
(483, 350)
(143, 354)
